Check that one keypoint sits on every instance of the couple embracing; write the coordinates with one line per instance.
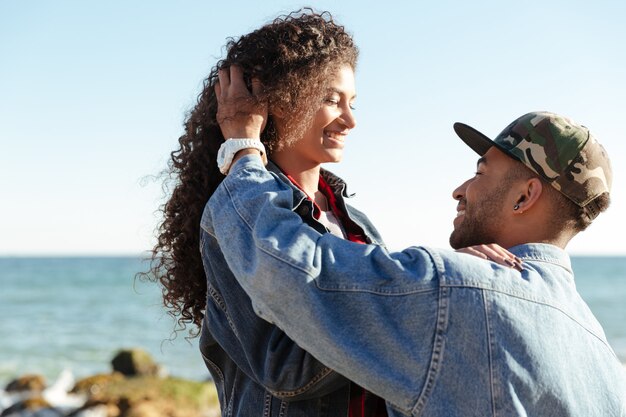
(302, 310)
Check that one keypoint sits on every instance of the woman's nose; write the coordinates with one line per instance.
(348, 119)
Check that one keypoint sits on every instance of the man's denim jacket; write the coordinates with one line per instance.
(257, 369)
(434, 332)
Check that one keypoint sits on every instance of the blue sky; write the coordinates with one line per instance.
(93, 96)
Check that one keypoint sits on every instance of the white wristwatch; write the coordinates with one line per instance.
(230, 147)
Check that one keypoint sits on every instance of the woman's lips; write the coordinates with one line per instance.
(336, 138)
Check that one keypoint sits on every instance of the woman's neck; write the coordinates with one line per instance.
(305, 174)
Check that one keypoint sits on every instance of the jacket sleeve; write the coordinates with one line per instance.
(260, 349)
(367, 313)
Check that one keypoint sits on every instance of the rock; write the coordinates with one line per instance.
(148, 409)
(134, 389)
(101, 410)
(93, 385)
(132, 362)
(147, 396)
(31, 382)
(95, 409)
(33, 406)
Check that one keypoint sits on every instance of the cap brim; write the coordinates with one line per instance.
(473, 138)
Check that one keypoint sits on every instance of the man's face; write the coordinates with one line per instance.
(482, 202)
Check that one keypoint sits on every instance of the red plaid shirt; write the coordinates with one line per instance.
(362, 402)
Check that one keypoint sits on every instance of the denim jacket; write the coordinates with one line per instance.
(434, 332)
(257, 369)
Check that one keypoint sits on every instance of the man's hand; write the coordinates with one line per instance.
(239, 113)
(496, 253)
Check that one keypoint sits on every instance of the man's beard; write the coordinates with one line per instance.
(481, 221)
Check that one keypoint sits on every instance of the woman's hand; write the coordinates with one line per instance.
(239, 113)
(496, 253)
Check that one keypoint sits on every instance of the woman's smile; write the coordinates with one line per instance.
(334, 139)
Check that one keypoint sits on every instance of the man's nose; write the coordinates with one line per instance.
(459, 192)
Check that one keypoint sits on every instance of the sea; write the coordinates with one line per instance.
(60, 315)
(75, 314)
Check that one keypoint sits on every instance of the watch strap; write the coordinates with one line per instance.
(231, 146)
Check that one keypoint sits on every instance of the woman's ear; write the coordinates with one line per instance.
(277, 112)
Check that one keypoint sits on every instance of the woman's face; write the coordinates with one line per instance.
(324, 140)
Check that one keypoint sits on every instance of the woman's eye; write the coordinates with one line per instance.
(332, 101)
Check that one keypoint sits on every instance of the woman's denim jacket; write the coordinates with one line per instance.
(257, 369)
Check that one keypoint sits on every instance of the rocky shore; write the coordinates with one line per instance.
(136, 387)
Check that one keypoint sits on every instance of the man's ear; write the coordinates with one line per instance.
(530, 192)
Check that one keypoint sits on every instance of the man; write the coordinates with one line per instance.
(435, 332)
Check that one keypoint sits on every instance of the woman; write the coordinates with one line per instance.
(305, 62)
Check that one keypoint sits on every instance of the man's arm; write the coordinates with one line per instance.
(368, 314)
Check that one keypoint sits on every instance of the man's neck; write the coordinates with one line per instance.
(513, 237)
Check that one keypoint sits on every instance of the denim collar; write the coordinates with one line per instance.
(338, 185)
(543, 252)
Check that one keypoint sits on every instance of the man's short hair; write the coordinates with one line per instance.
(571, 216)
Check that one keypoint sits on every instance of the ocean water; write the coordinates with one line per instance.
(74, 313)
(601, 281)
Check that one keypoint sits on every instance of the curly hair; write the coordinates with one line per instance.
(293, 57)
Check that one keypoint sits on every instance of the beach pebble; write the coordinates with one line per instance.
(30, 382)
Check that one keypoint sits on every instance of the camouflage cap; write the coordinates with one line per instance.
(562, 152)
